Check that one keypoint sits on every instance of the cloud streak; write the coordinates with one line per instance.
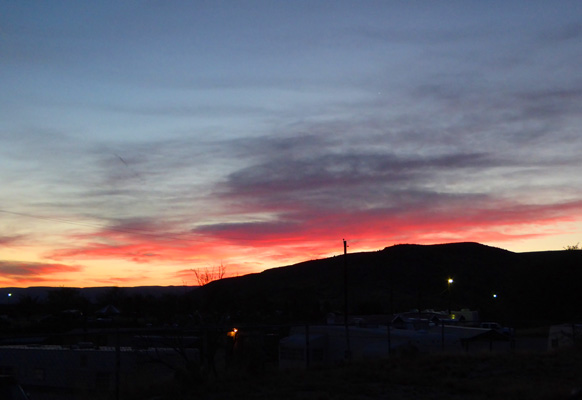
(31, 273)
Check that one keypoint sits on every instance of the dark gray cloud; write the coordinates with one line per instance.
(10, 240)
(352, 169)
(28, 270)
(564, 33)
(551, 103)
(321, 184)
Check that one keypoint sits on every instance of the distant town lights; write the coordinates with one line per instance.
(450, 280)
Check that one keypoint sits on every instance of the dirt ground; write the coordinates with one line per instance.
(518, 375)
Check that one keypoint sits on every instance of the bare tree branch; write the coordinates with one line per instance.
(206, 275)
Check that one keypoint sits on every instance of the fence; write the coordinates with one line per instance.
(72, 369)
(118, 363)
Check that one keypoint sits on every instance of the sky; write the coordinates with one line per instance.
(144, 140)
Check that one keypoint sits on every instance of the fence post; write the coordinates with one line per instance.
(389, 339)
(443, 335)
(117, 364)
(307, 346)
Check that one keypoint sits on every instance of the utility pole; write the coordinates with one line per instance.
(348, 354)
(391, 309)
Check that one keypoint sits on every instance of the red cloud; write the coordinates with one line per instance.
(320, 235)
(309, 234)
(414, 225)
(122, 281)
(31, 273)
(156, 250)
(29, 269)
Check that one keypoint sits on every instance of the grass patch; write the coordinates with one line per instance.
(431, 376)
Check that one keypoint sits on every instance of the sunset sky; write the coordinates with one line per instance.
(141, 140)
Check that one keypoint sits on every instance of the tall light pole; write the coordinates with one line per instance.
(449, 284)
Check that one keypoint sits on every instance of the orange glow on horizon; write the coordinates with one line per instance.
(121, 259)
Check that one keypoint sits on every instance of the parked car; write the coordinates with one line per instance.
(496, 327)
(10, 389)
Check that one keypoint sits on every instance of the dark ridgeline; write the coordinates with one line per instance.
(530, 288)
(536, 288)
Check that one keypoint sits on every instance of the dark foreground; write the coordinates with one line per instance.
(555, 375)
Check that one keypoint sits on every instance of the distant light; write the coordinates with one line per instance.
(494, 295)
(450, 280)
(9, 294)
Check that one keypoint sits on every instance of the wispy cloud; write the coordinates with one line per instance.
(31, 273)
(10, 240)
(564, 33)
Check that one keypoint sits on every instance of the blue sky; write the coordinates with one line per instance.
(141, 140)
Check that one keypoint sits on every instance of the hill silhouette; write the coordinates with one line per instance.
(91, 293)
(537, 287)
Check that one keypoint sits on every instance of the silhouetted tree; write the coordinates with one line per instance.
(206, 275)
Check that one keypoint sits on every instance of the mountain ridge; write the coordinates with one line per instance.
(530, 286)
(409, 276)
